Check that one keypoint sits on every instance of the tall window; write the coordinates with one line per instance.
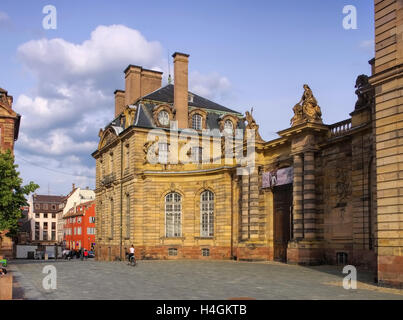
(163, 153)
(112, 219)
(207, 214)
(127, 216)
(173, 213)
(45, 231)
(197, 153)
(53, 230)
(127, 156)
(197, 122)
(37, 231)
(111, 163)
(228, 126)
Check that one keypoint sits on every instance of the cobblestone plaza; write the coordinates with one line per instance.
(184, 280)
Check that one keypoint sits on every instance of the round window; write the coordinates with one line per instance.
(163, 118)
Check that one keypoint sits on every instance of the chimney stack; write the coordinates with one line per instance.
(139, 82)
(181, 61)
(132, 84)
(119, 102)
(150, 81)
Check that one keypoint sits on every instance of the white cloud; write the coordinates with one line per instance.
(212, 86)
(110, 48)
(73, 96)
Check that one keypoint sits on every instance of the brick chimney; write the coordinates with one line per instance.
(181, 61)
(132, 84)
(139, 82)
(150, 81)
(119, 102)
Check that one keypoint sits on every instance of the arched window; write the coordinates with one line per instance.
(228, 126)
(207, 214)
(197, 121)
(173, 215)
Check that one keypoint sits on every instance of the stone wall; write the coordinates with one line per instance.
(388, 80)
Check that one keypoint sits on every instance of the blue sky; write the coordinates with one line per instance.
(242, 54)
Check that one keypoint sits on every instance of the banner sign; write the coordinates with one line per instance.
(278, 177)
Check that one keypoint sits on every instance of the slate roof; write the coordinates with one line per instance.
(146, 104)
(166, 94)
(47, 198)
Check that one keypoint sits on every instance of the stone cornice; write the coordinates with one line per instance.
(308, 126)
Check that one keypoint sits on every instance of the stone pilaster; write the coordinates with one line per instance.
(309, 195)
(298, 225)
(254, 205)
(245, 217)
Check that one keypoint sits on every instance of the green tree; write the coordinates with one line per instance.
(12, 193)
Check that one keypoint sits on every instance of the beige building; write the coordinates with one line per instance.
(388, 123)
(43, 217)
(319, 193)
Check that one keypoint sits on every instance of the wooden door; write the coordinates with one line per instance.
(282, 196)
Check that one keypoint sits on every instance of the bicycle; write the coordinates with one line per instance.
(132, 260)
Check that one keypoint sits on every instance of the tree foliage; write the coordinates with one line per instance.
(12, 193)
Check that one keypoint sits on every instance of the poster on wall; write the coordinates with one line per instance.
(278, 177)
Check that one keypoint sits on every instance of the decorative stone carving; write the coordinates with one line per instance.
(307, 110)
(365, 93)
(252, 124)
(129, 114)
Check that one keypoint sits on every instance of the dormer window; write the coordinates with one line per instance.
(190, 97)
(228, 126)
(197, 121)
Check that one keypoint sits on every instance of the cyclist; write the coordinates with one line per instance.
(131, 253)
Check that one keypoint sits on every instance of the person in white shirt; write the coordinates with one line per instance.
(131, 252)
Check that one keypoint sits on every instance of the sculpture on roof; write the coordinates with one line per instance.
(252, 125)
(365, 92)
(307, 109)
(129, 116)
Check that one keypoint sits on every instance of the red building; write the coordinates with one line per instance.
(79, 227)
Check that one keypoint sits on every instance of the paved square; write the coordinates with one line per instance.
(190, 280)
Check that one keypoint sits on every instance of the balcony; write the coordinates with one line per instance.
(340, 128)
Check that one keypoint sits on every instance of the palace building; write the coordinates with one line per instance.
(9, 129)
(9, 122)
(319, 193)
